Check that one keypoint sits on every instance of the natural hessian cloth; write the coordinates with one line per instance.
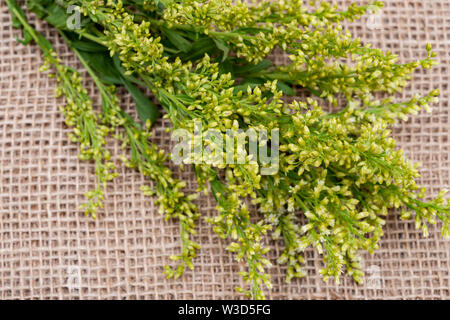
(49, 249)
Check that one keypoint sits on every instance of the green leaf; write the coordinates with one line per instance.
(162, 4)
(87, 46)
(27, 38)
(103, 66)
(252, 83)
(118, 65)
(57, 16)
(177, 40)
(222, 47)
(248, 30)
(16, 22)
(145, 108)
(39, 8)
(226, 67)
(185, 99)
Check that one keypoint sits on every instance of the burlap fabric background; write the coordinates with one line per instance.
(48, 249)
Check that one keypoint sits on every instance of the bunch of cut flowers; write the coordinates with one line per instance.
(326, 180)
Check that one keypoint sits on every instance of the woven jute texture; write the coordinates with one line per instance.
(50, 250)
